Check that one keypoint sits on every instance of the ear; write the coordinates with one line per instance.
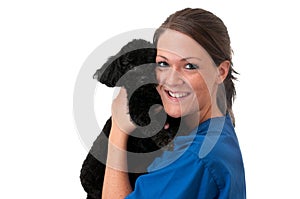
(223, 70)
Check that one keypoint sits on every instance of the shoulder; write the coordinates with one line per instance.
(224, 161)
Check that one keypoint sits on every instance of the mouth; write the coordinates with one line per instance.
(176, 95)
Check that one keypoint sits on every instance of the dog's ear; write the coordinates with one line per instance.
(135, 53)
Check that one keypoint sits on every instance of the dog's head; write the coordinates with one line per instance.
(131, 57)
(134, 68)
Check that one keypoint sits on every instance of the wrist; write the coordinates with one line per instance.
(117, 149)
(117, 137)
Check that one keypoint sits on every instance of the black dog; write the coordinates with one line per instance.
(134, 68)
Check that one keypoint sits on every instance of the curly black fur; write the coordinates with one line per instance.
(135, 62)
(133, 68)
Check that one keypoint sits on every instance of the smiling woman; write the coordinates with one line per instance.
(195, 82)
(188, 78)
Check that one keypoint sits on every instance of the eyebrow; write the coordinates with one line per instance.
(183, 59)
(191, 58)
(162, 57)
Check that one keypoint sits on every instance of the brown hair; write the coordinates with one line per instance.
(211, 33)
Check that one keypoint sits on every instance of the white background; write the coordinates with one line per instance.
(43, 45)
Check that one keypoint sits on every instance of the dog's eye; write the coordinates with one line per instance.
(162, 64)
(190, 66)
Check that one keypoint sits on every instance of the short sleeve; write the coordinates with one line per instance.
(187, 177)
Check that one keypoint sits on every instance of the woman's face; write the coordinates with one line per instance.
(187, 76)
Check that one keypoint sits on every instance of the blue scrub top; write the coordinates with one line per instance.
(205, 164)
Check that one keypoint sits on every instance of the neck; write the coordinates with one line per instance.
(193, 120)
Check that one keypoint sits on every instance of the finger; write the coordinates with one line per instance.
(166, 126)
(123, 92)
(116, 92)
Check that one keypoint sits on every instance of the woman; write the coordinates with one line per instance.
(195, 82)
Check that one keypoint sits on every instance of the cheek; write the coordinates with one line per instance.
(207, 82)
(197, 83)
(158, 89)
(201, 90)
(211, 77)
(158, 76)
(201, 93)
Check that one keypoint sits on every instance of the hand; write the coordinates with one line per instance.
(120, 112)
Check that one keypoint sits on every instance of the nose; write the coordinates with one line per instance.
(173, 78)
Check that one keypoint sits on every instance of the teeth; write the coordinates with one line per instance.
(177, 95)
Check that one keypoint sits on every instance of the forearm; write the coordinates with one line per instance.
(116, 182)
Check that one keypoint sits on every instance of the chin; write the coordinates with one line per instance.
(172, 112)
(175, 115)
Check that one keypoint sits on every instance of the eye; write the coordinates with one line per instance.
(162, 64)
(190, 66)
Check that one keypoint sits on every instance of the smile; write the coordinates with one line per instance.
(177, 94)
